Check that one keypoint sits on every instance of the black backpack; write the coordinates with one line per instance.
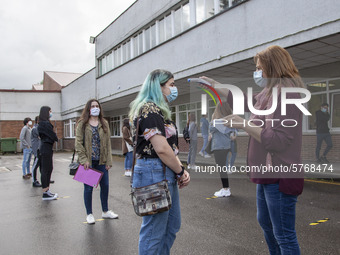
(186, 135)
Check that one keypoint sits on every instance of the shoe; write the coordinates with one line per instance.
(51, 181)
(127, 173)
(90, 219)
(130, 173)
(207, 156)
(189, 166)
(201, 153)
(324, 160)
(223, 193)
(25, 177)
(48, 195)
(109, 215)
(36, 184)
(29, 174)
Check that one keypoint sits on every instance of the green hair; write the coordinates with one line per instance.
(151, 92)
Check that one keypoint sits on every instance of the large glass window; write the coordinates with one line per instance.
(147, 39)
(161, 31)
(335, 109)
(168, 27)
(153, 36)
(184, 110)
(185, 17)
(115, 126)
(178, 21)
(204, 10)
(69, 128)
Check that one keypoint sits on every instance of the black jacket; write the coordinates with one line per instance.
(47, 136)
(322, 119)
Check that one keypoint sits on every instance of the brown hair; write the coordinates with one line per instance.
(85, 116)
(279, 67)
(221, 111)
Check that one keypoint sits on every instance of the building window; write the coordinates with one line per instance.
(183, 112)
(324, 92)
(69, 128)
(115, 126)
(204, 10)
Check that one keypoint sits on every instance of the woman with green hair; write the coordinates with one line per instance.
(157, 144)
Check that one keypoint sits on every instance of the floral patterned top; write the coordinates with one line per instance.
(152, 122)
(95, 143)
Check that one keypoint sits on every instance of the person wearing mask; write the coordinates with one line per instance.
(272, 144)
(157, 144)
(93, 145)
(220, 145)
(205, 135)
(127, 146)
(47, 139)
(25, 145)
(322, 133)
(192, 127)
(35, 141)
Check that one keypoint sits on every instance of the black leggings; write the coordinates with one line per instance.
(221, 161)
(46, 169)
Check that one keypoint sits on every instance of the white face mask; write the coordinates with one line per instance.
(30, 123)
(95, 111)
(259, 80)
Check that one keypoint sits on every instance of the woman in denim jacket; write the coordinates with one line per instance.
(157, 144)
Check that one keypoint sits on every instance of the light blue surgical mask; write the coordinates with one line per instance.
(51, 115)
(259, 80)
(323, 109)
(173, 94)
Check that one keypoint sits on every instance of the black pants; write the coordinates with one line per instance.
(221, 161)
(46, 169)
(36, 164)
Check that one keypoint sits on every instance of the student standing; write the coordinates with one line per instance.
(35, 141)
(25, 145)
(93, 145)
(48, 137)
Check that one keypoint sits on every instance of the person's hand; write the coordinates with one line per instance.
(86, 165)
(235, 121)
(211, 81)
(107, 167)
(184, 180)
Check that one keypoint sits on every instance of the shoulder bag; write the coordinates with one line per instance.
(74, 165)
(150, 199)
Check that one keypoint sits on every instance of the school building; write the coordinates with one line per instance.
(214, 38)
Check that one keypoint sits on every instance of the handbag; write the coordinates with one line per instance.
(208, 147)
(74, 165)
(150, 199)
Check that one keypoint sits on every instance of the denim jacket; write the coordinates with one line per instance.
(220, 136)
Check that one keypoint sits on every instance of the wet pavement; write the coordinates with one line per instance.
(209, 226)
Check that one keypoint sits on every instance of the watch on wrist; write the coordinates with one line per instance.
(179, 175)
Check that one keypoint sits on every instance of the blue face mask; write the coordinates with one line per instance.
(259, 80)
(173, 94)
(323, 109)
(50, 115)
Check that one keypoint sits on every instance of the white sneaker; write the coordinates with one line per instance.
(189, 166)
(48, 195)
(109, 215)
(127, 173)
(223, 193)
(201, 153)
(90, 219)
(207, 156)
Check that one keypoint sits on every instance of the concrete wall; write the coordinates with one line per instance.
(75, 95)
(17, 105)
(232, 36)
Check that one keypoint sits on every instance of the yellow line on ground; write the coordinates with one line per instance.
(325, 182)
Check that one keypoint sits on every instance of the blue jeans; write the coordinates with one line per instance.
(26, 162)
(328, 140)
(205, 143)
(276, 215)
(158, 231)
(233, 154)
(104, 189)
(128, 160)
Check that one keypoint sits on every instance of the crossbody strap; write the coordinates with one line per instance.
(134, 154)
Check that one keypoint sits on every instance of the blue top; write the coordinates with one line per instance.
(204, 126)
(220, 136)
(95, 143)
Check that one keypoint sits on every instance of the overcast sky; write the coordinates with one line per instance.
(50, 35)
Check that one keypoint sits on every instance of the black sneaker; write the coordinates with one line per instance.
(36, 184)
(324, 160)
(48, 195)
(51, 181)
